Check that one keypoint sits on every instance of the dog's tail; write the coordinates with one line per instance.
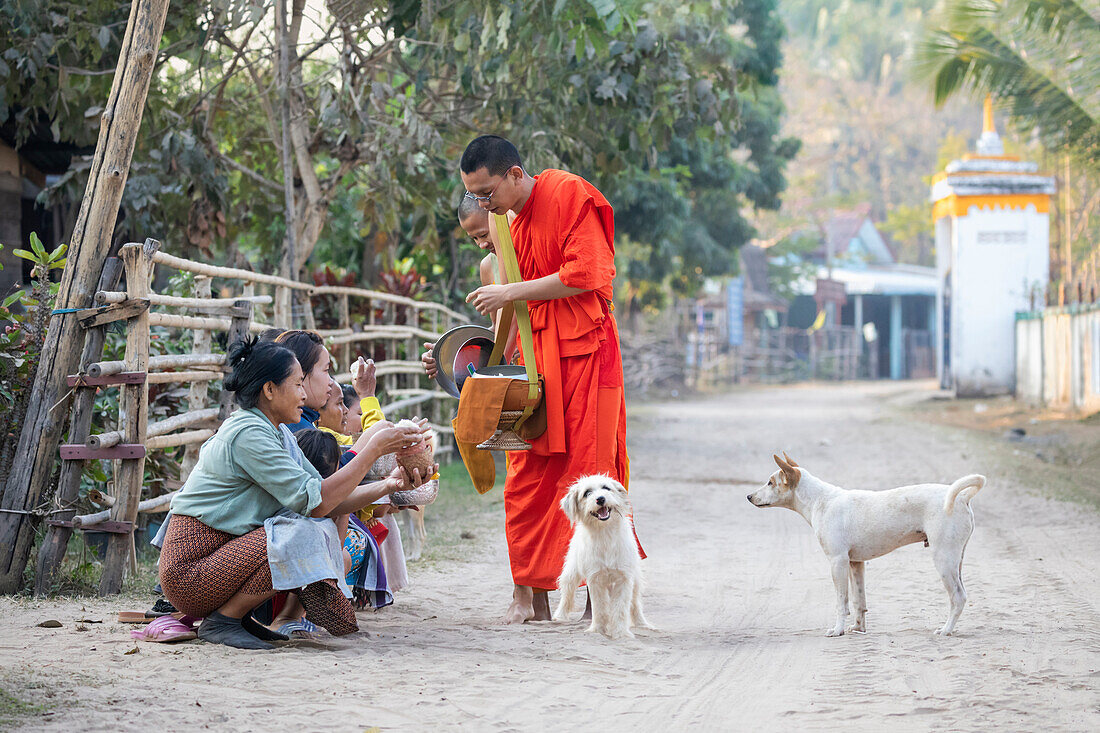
(966, 487)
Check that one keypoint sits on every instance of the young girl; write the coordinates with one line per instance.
(334, 417)
(353, 402)
(365, 572)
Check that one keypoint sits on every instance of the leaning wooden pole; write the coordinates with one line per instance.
(91, 242)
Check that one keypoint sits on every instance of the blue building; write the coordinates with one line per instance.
(892, 304)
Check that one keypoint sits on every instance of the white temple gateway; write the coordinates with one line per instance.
(992, 258)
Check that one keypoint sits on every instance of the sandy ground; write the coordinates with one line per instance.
(742, 596)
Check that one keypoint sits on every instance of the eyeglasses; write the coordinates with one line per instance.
(486, 199)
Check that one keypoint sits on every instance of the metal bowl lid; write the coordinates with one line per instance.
(447, 349)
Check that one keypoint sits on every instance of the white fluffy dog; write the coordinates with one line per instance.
(602, 552)
(856, 526)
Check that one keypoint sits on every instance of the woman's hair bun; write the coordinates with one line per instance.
(254, 363)
(239, 351)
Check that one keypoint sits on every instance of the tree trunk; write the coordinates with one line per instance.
(91, 241)
(366, 261)
(288, 264)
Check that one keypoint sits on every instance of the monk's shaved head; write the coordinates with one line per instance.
(491, 152)
(468, 209)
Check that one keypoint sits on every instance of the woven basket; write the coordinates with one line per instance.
(505, 438)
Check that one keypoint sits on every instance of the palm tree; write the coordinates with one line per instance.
(1040, 59)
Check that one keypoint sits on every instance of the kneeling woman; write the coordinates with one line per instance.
(214, 561)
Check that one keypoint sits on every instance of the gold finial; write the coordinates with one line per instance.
(987, 115)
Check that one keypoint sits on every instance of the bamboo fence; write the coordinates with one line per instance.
(382, 326)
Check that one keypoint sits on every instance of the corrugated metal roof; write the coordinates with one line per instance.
(892, 280)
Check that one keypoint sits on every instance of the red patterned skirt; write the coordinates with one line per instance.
(201, 568)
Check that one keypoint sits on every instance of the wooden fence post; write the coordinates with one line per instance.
(91, 241)
(56, 541)
(238, 331)
(343, 310)
(309, 322)
(389, 315)
(133, 415)
(282, 307)
(412, 381)
(198, 391)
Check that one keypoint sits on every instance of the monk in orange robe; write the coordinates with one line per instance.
(563, 232)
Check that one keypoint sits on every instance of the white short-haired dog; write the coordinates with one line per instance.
(856, 526)
(603, 552)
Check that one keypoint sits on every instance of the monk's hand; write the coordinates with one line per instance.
(428, 360)
(489, 298)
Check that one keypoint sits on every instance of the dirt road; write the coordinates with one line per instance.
(742, 596)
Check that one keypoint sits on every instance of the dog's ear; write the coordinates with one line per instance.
(566, 504)
(790, 473)
(570, 504)
(622, 492)
(790, 460)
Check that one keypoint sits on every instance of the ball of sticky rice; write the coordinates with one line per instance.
(418, 456)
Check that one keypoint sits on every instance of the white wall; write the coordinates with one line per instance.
(945, 254)
(1029, 360)
(998, 257)
(1058, 358)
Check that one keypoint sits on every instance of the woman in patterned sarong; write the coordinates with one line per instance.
(214, 560)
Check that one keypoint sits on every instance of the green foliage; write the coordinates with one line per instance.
(1036, 57)
(865, 40)
(705, 147)
(869, 133)
(58, 62)
(789, 263)
(384, 100)
(26, 314)
(912, 233)
(56, 65)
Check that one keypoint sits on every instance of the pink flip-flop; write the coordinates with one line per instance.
(166, 629)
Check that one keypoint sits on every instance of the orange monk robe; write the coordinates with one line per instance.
(567, 228)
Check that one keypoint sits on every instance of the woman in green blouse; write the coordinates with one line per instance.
(214, 560)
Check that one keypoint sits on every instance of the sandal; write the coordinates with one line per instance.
(301, 629)
(167, 629)
(161, 608)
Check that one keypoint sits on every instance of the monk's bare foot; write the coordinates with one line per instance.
(541, 606)
(522, 609)
(587, 616)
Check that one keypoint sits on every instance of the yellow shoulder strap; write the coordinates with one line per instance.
(507, 254)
